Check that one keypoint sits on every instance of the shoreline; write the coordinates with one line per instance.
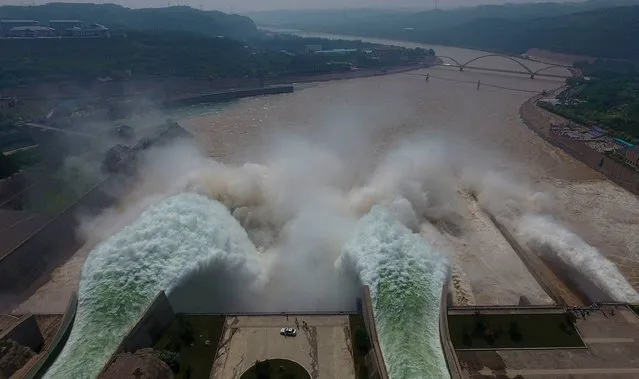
(363, 73)
(625, 177)
(190, 87)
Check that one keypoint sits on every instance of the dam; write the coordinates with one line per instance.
(386, 111)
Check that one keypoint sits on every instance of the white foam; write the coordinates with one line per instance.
(570, 248)
(168, 242)
(405, 277)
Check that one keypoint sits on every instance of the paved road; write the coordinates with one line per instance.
(323, 348)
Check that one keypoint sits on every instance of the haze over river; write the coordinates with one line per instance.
(474, 128)
(481, 127)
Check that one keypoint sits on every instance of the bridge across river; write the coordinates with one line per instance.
(526, 70)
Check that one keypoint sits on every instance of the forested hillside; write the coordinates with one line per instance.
(118, 18)
(606, 31)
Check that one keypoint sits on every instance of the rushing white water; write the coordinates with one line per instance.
(168, 242)
(575, 252)
(405, 277)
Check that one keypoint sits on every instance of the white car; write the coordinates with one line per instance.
(288, 332)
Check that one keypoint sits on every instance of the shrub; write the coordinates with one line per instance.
(171, 359)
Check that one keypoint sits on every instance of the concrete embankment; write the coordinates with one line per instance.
(617, 172)
(222, 96)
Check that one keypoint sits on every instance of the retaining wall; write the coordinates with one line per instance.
(544, 266)
(617, 172)
(374, 359)
(229, 95)
(532, 262)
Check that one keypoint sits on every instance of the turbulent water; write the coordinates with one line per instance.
(575, 252)
(168, 242)
(405, 277)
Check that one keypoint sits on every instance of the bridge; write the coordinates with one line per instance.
(526, 70)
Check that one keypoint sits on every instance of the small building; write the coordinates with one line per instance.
(336, 51)
(91, 31)
(6, 25)
(62, 27)
(35, 31)
(632, 156)
(387, 51)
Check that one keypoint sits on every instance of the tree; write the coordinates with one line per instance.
(171, 359)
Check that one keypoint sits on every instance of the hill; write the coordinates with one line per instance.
(594, 28)
(119, 18)
(426, 20)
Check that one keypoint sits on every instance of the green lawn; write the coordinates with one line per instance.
(276, 369)
(512, 331)
(193, 339)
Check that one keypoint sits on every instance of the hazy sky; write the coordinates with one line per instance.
(248, 5)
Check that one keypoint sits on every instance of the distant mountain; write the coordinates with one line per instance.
(426, 20)
(605, 29)
(608, 33)
(116, 17)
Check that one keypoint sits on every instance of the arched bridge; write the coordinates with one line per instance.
(526, 70)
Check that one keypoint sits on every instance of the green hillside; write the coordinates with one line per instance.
(118, 18)
(597, 28)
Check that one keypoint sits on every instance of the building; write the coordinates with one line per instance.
(631, 156)
(62, 27)
(91, 31)
(35, 31)
(7, 25)
(336, 52)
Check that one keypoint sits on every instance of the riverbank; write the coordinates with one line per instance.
(354, 74)
(285, 85)
(538, 121)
